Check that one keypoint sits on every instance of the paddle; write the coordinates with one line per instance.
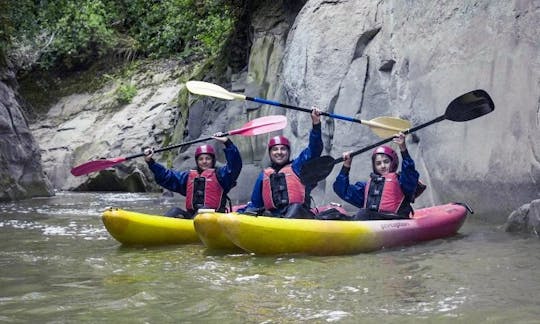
(381, 126)
(257, 126)
(468, 106)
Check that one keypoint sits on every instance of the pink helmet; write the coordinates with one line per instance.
(279, 140)
(205, 149)
(388, 151)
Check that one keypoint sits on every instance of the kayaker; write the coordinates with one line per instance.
(204, 187)
(389, 193)
(278, 191)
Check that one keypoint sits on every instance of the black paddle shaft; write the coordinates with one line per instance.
(465, 107)
(170, 147)
(319, 168)
(386, 140)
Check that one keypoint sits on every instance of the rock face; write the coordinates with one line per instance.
(525, 219)
(410, 59)
(90, 126)
(21, 175)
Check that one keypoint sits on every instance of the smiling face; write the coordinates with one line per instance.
(382, 164)
(205, 161)
(279, 154)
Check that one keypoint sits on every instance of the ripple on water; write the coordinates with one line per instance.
(73, 229)
(71, 214)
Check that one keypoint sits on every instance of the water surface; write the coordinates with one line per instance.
(59, 264)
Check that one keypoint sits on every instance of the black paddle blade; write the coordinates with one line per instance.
(469, 106)
(317, 169)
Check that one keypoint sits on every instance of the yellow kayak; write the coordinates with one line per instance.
(213, 237)
(131, 228)
(274, 236)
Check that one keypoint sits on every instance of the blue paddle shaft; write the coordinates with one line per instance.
(279, 104)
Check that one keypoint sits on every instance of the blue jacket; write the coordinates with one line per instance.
(177, 181)
(354, 194)
(314, 149)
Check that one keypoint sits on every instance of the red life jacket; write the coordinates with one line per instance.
(383, 194)
(282, 188)
(204, 190)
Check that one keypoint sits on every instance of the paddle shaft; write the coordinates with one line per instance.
(279, 104)
(380, 125)
(248, 128)
(386, 140)
(170, 147)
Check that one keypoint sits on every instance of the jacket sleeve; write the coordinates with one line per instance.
(314, 149)
(353, 194)
(169, 179)
(228, 174)
(256, 195)
(408, 178)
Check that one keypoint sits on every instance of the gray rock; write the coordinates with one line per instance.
(21, 174)
(526, 219)
(91, 126)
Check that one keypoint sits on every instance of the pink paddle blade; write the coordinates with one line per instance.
(261, 125)
(96, 165)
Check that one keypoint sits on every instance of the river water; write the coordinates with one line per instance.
(58, 264)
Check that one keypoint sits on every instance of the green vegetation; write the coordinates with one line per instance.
(42, 88)
(73, 34)
(66, 46)
(126, 92)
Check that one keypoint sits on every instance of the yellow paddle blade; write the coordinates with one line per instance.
(385, 127)
(212, 90)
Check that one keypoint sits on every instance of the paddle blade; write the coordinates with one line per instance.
(261, 125)
(469, 106)
(316, 169)
(212, 90)
(96, 165)
(388, 126)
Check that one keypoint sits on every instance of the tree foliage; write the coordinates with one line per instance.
(72, 33)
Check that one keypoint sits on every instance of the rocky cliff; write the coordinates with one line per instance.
(362, 59)
(21, 174)
(410, 59)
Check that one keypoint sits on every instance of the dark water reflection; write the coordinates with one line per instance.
(59, 264)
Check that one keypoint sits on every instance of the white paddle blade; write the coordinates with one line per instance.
(212, 90)
(385, 127)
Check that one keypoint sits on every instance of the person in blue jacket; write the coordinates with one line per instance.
(388, 194)
(204, 187)
(278, 191)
